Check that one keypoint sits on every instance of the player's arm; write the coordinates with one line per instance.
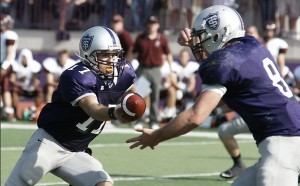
(281, 62)
(184, 122)
(36, 80)
(191, 118)
(97, 111)
(50, 80)
(91, 106)
(192, 83)
(13, 79)
(9, 54)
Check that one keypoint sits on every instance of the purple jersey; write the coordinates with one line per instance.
(65, 120)
(255, 88)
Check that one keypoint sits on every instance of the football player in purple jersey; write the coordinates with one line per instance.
(77, 114)
(242, 72)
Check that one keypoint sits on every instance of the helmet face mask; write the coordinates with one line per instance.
(108, 63)
(197, 48)
(213, 28)
(100, 49)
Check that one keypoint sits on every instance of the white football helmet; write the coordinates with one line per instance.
(97, 40)
(214, 27)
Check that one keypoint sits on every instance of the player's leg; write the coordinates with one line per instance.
(247, 177)
(226, 132)
(280, 161)
(36, 160)
(83, 169)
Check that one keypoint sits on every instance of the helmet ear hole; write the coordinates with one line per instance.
(215, 38)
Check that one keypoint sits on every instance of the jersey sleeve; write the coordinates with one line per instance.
(74, 85)
(49, 64)
(35, 66)
(11, 35)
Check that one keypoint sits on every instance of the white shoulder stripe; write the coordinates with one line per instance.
(221, 90)
(73, 103)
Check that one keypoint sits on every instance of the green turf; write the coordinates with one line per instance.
(170, 164)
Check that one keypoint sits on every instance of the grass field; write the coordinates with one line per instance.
(191, 160)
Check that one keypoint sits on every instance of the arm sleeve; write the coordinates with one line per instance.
(74, 88)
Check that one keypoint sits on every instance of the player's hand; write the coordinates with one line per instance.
(184, 38)
(146, 139)
(117, 115)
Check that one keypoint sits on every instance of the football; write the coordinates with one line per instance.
(132, 107)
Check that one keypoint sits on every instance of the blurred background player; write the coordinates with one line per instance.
(179, 85)
(9, 44)
(185, 70)
(117, 25)
(53, 68)
(151, 47)
(277, 46)
(25, 80)
(253, 31)
(168, 91)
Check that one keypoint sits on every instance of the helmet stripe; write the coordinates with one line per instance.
(111, 34)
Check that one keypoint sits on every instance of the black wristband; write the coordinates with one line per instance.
(111, 114)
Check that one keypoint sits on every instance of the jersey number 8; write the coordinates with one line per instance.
(276, 78)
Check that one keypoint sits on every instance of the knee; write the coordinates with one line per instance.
(223, 131)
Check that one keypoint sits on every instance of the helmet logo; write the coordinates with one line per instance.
(212, 20)
(86, 42)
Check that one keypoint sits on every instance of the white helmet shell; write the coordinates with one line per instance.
(215, 26)
(98, 38)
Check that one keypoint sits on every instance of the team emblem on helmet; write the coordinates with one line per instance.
(212, 21)
(86, 42)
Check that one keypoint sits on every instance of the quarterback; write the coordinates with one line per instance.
(77, 114)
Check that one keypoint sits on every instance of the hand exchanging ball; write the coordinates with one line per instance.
(130, 108)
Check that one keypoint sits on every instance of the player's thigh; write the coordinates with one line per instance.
(247, 177)
(36, 160)
(280, 161)
(82, 169)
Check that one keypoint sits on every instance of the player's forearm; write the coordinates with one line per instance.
(9, 54)
(182, 124)
(99, 112)
(95, 110)
(170, 61)
(281, 62)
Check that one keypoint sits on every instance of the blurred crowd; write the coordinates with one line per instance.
(66, 15)
(173, 82)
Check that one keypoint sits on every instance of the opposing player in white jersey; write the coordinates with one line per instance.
(25, 79)
(185, 70)
(277, 46)
(9, 44)
(54, 67)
